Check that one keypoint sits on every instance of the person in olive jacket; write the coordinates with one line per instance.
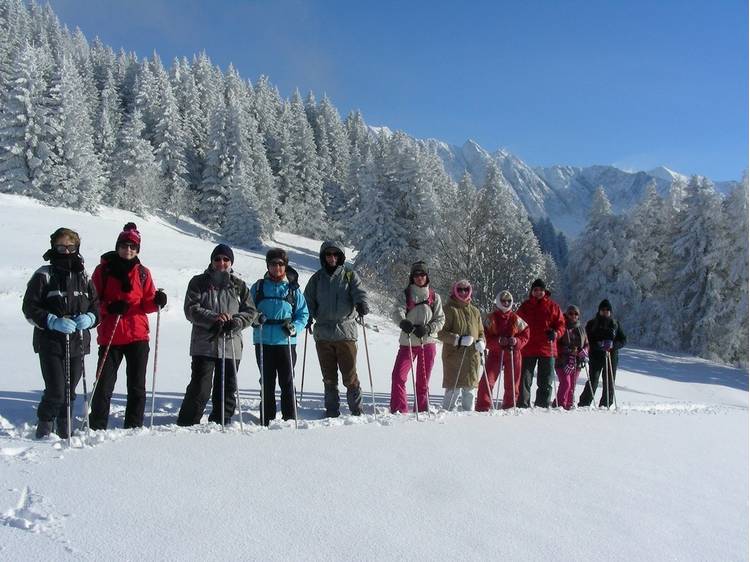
(335, 297)
(219, 305)
(605, 336)
(60, 301)
(463, 346)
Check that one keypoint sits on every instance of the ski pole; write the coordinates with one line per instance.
(413, 379)
(294, 388)
(500, 373)
(223, 382)
(513, 377)
(304, 361)
(85, 422)
(426, 377)
(588, 382)
(262, 382)
(612, 373)
(487, 380)
(553, 374)
(156, 357)
(458, 375)
(369, 368)
(103, 361)
(237, 384)
(67, 387)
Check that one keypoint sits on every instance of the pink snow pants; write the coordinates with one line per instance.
(510, 386)
(566, 389)
(425, 356)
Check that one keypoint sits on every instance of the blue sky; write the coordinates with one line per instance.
(632, 83)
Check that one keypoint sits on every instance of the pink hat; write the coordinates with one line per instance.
(130, 234)
(463, 297)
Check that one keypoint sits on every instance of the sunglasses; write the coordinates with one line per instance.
(328, 254)
(65, 248)
(277, 263)
(462, 289)
(128, 245)
(221, 258)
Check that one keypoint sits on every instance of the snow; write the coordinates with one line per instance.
(664, 477)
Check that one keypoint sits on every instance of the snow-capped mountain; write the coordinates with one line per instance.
(562, 193)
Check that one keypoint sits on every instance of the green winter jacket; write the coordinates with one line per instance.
(461, 319)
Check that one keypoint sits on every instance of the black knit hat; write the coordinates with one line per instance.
(277, 254)
(605, 304)
(538, 283)
(419, 266)
(223, 250)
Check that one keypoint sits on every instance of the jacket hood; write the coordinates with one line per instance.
(330, 244)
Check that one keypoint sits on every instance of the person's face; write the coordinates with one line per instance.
(127, 250)
(537, 292)
(65, 245)
(276, 268)
(572, 315)
(221, 263)
(331, 258)
(420, 278)
(605, 312)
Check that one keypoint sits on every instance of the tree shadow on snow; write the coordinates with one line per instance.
(682, 368)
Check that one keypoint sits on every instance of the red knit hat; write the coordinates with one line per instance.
(130, 234)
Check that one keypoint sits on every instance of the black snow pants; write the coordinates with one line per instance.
(205, 375)
(597, 365)
(276, 365)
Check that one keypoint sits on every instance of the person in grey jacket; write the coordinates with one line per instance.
(335, 297)
(219, 305)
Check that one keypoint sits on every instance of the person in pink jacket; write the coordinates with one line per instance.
(420, 317)
(572, 354)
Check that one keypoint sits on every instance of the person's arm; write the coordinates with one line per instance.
(33, 299)
(247, 312)
(357, 291)
(301, 314)
(311, 297)
(438, 317)
(194, 312)
(146, 304)
(445, 335)
(620, 337)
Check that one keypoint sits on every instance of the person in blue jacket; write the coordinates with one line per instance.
(283, 314)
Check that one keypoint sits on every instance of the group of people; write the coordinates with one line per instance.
(63, 303)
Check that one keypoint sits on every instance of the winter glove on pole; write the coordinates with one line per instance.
(160, 298)
(229, 328)
(420, 330)
(362, 308)
(84, 321)
(63, 325)
(406, 326)
(479, 346)
(260, 320)
(465, 341)
(512, 341)
(309, 324)
(605, 345)
(289, 329)
(551, 334)
(118, 307)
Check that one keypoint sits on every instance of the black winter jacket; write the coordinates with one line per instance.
(53, 290)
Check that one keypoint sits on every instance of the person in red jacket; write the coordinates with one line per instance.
(546, 325)
(126, 294)
(507, 334)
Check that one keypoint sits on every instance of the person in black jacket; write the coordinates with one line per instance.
(605, 336)
(60, 300)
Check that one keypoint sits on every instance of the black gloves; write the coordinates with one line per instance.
(289, 329)
(230, 327)
(261, 319)
(406, 326)
(309, 325)
(551, 334)
(362, 308)
(118, 307)
(420, 330)
(160, 299)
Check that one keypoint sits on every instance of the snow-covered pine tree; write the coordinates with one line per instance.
(594, 261)
(242, 223)
(108, 123)
(134, 184)
(76, 175)
(25, 157)
(303, 203)
(267, 108)
(213, 192)
(696, 280)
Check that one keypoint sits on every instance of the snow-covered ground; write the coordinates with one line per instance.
(663, 478)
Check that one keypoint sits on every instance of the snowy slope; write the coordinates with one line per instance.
(665, 477)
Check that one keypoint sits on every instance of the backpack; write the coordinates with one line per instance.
(291, 298)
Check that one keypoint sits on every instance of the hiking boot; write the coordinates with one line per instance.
(43, 429)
